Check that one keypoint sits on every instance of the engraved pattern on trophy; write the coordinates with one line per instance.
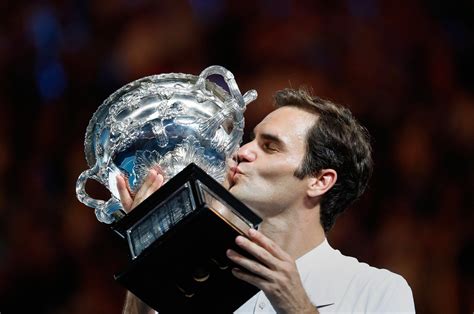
(164, 121)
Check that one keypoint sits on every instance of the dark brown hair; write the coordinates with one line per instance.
(335, 141)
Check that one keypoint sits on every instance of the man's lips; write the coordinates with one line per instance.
(233, 171)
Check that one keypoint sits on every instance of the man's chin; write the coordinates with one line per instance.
(235, 191)
(238, 193)
(232, 189)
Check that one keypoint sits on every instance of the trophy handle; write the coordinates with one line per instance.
(105, 211)
(235, 106)
(81, 193)
(230, 81)
(250, 96)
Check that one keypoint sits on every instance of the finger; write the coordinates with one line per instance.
(149, 189)
(155, 185)
(142, 192)
(249, 278)
(268, 244)
(124, 193)
(258, 252)
(252, 266)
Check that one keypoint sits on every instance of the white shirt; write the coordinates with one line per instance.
(346, 284)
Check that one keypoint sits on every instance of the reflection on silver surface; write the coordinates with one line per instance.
(165, 121)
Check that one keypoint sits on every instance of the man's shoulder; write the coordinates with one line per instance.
(349, 283)
(363, 274)
(378, 280)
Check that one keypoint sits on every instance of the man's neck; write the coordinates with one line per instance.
(296, 236)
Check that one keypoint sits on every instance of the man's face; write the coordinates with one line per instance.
(264, 177)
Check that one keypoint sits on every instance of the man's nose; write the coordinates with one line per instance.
(246, 152)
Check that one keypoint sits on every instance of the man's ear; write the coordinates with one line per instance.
(321, 183)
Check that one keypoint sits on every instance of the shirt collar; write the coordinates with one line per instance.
(315, 260)
(320, 252)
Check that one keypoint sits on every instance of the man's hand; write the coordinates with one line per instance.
(153, 182)
(274, 272)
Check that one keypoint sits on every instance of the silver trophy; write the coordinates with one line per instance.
(186, 127)
(165, 121)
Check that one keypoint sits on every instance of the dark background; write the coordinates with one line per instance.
(405, 68)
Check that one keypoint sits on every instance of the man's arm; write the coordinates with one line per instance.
(134, 305)
(274, 272)
(153, 182)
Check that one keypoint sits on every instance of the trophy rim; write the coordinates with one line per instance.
(102, 110)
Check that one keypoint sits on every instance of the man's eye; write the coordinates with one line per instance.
(270, 147)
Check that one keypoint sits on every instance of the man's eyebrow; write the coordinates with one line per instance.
(266, 136)
(272, 138)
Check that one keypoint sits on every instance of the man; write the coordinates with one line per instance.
(308, 161)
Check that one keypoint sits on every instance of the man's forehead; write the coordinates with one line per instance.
(286, 121)
(273, 118)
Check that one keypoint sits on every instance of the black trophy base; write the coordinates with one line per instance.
(185, 270)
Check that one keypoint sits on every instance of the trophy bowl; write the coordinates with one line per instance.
(166, 122)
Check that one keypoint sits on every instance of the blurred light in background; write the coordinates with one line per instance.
(46, 35)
